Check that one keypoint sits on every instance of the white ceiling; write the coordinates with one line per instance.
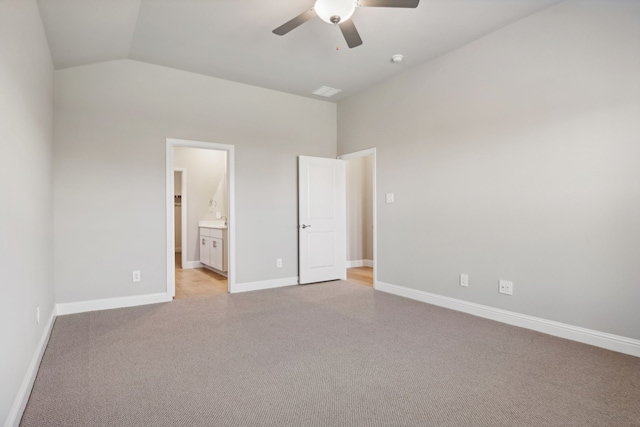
(232, 39)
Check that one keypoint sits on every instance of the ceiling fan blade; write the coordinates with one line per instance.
(295, 22)
(389, 3)
(350, 33)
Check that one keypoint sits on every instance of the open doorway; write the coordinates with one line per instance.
(200, 218)
(361, 216)
(179, 214)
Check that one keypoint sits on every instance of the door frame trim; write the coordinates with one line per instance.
(172, 143)
(365, 153)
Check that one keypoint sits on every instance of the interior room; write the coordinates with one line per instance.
(202, 178)
(483, 193)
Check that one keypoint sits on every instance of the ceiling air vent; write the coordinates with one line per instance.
(326, 91)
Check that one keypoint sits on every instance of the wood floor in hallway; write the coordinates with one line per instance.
(201, 282)
(363, 275)
(198, 282)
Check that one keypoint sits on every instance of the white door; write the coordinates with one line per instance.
(322, 217)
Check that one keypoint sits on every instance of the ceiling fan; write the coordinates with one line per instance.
(338, 12)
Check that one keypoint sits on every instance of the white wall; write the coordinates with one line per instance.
(111, 124)
(516, 157)
(359, 174)
(26, 269)
(206, 181)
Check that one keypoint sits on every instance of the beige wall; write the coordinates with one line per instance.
(26, 225)
(368, 207)
(516, 157)
(359, 193)
(111, 124)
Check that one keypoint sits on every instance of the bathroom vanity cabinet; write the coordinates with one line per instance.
(213, 248)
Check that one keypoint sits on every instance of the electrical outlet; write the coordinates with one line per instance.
(38, 314)
(464, 280)
(136, 276)
(279, 263)
(389, 198)
(505, 287)
(218, 215)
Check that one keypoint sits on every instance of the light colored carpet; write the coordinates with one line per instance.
(329, 354)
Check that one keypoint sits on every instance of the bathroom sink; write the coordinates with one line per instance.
(219, 224)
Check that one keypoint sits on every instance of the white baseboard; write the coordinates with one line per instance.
(193, 264)
(215, 270)
(360, 263)
(109, 303)
(20, 402)
(587, 336)
(264, 284)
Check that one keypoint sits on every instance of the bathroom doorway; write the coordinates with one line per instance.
(200, 219)
(192, 279)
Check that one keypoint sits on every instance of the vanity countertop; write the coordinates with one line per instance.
(219, 224)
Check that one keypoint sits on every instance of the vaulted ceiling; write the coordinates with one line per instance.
(233, 39)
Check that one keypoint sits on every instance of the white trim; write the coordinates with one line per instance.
(264, 284)
(109, 303)
(575, 333)
(364, 153)
(231, 189)
(360, 263)
(357, 154)
(20, 402)
(171, 240)
(192, 264)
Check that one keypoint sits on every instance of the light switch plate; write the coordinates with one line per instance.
(464, 280)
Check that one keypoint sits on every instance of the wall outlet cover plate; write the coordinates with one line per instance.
(505, 287)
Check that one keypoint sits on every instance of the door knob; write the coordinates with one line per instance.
(305, 226)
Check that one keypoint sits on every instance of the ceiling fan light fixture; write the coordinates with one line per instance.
(335, 11)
